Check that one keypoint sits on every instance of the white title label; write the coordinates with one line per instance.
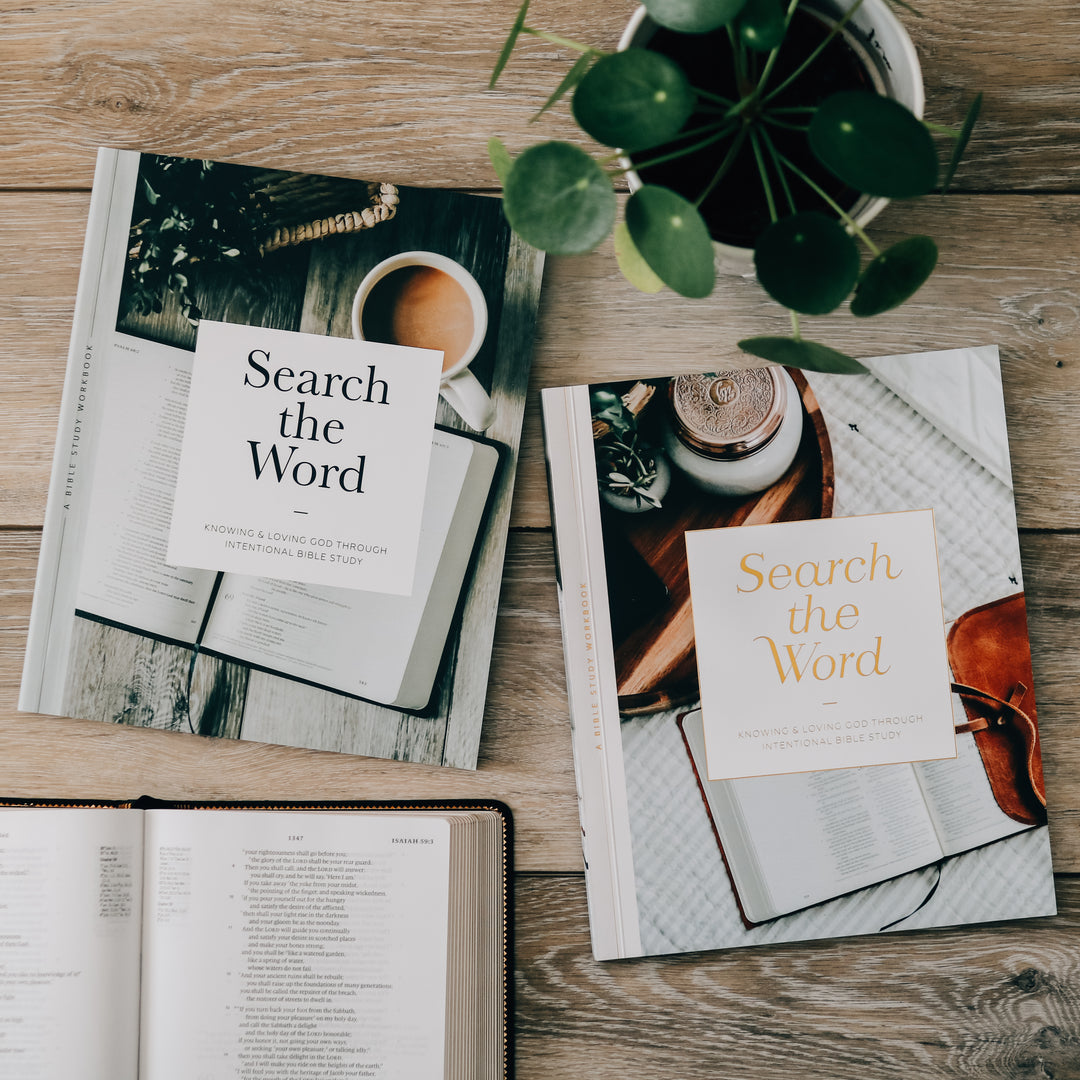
(820, 644)
(305, 457)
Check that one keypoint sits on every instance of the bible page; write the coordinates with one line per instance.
(961, 802)
(797, 839)
(294, 946)
(819, 835)
(70, 882)
(355, 641)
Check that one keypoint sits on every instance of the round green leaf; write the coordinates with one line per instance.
(874, 144)
(558, 199)
(633, 99)
(762, 24)
(807, 262)
(634, 268)
(693, 16)
(802, 354)
(894, 275)
(673, 239)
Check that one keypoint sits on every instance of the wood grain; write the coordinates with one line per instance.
(999, 1002)
(395, 92)
(1022, 292)
(524, 753)
(123, 678)
(525, 747)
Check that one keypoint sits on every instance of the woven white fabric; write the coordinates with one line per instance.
(887, 457)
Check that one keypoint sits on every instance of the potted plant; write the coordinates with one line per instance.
(743, 111)
(633, 475)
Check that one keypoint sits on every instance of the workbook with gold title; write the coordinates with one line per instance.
(797, 654)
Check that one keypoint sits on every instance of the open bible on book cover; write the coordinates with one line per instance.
(312, 943)
(785, 851)
(378, 646)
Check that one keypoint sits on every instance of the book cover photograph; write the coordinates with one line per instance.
(281, 489)
(797, 656)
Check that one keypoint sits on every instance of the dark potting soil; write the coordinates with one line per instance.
(736, 211)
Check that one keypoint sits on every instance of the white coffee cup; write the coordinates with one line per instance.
(459, 386)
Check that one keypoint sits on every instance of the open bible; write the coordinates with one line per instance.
(169, 943)
(794, 840)
(378, 646)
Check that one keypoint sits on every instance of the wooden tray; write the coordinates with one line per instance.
(655, 662)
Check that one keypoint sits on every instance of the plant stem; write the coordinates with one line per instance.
(739, 57)
(818, 51)
(774, 53)
(795, 325)
(771, 147)
(794, 109)
(710, 96)
(725, 165)
(555, 39)
(681, 152)
(719, 125)
(759, 157)
(571, 79)
(847, 219)
(784, 124)
(739, 107)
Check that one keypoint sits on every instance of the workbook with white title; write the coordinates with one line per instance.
(281, 489)
(795, 628)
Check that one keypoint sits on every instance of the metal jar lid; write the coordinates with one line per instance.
(728, 414)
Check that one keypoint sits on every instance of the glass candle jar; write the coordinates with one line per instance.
(733, 432)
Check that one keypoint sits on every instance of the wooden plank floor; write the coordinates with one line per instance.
(395, 89)
(998, 1001)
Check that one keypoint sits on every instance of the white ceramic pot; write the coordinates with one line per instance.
(876, 35)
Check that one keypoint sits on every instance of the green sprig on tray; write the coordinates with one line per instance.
(625, 463)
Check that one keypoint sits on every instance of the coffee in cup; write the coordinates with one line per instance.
(423, 307)
(428, 301)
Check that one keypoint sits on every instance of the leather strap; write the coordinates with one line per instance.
(1005, 711)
